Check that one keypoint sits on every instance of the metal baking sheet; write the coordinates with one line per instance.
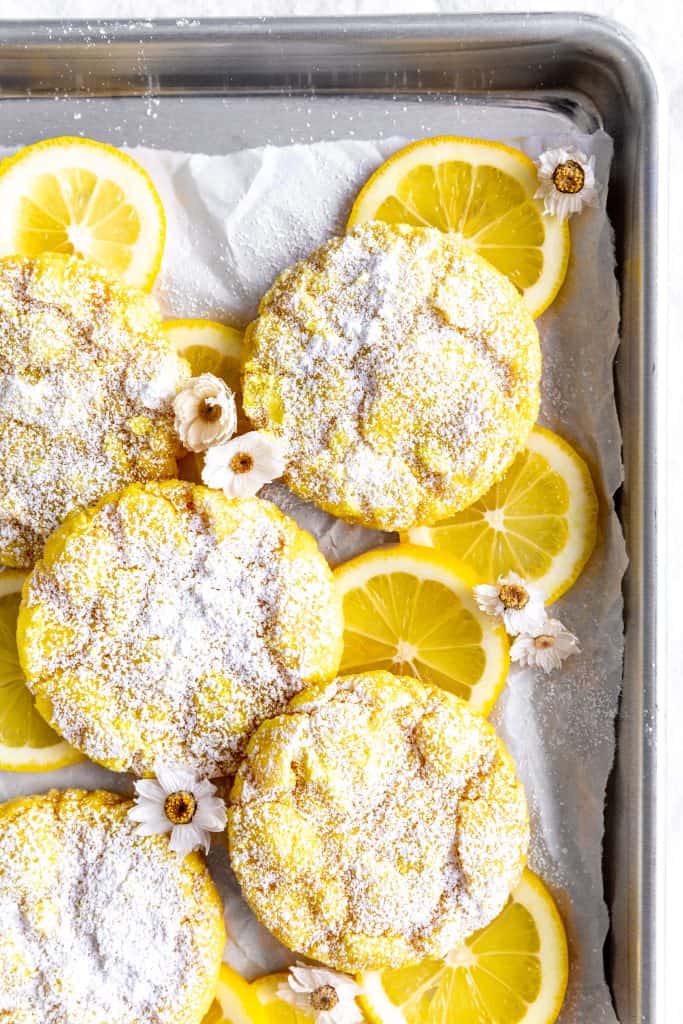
(221, 85)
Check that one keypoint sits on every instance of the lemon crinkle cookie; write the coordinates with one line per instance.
(100, 925)
(166, 622)
(87, 382)
(401, 369)
(376, 823)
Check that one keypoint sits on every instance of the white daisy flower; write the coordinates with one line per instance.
(181, 803)
(546, 649)
(328, 995)
(241, 467)
(566, 181)
(205, 413)
(521, 605)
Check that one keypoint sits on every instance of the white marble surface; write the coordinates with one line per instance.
(658, 26)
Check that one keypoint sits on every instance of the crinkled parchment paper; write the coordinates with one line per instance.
(233, 223)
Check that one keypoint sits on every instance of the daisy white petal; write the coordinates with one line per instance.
(566, 181)
(150, 823)
(210, 814)
(186, 838)
(299, 1000)
(150, 789)
(242, 466)
(173, 778)
(486, 596)
(519, 604)
(205, 413)
(329, 996)
(546, 650)
(145, 829)
(203, 788)
(523, 603)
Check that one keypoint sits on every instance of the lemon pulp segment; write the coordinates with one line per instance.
(209, 347)
(11, 580)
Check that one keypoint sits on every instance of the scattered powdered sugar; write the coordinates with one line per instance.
(86, 388)
(181, 620)
(406, 369)
(98, 924)
(376, 822)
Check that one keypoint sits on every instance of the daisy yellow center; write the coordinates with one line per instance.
(324, 998)
(543, 642)
(513, 596)
(210, 410)
(180, 807)
(241, 463)
(569, 177)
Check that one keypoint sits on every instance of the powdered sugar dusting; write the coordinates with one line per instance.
(97, 923)
(403, 370)
(186, 635)
(87, 379)
(411, 828)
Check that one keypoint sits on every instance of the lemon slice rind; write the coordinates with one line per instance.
(24, 759)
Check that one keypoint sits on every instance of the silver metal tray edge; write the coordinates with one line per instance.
(503, 56)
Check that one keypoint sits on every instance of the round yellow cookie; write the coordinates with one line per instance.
(376, 823)
(166, 622)
(401, 369)
(87, 382)
(100, 925)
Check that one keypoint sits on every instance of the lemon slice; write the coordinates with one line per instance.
(235, 1002)
(210, 347)
(279, 1011)
(27, 743)
(483, 191)
(411, 611)
(512, 972)
(540, 520)
(72, 195)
